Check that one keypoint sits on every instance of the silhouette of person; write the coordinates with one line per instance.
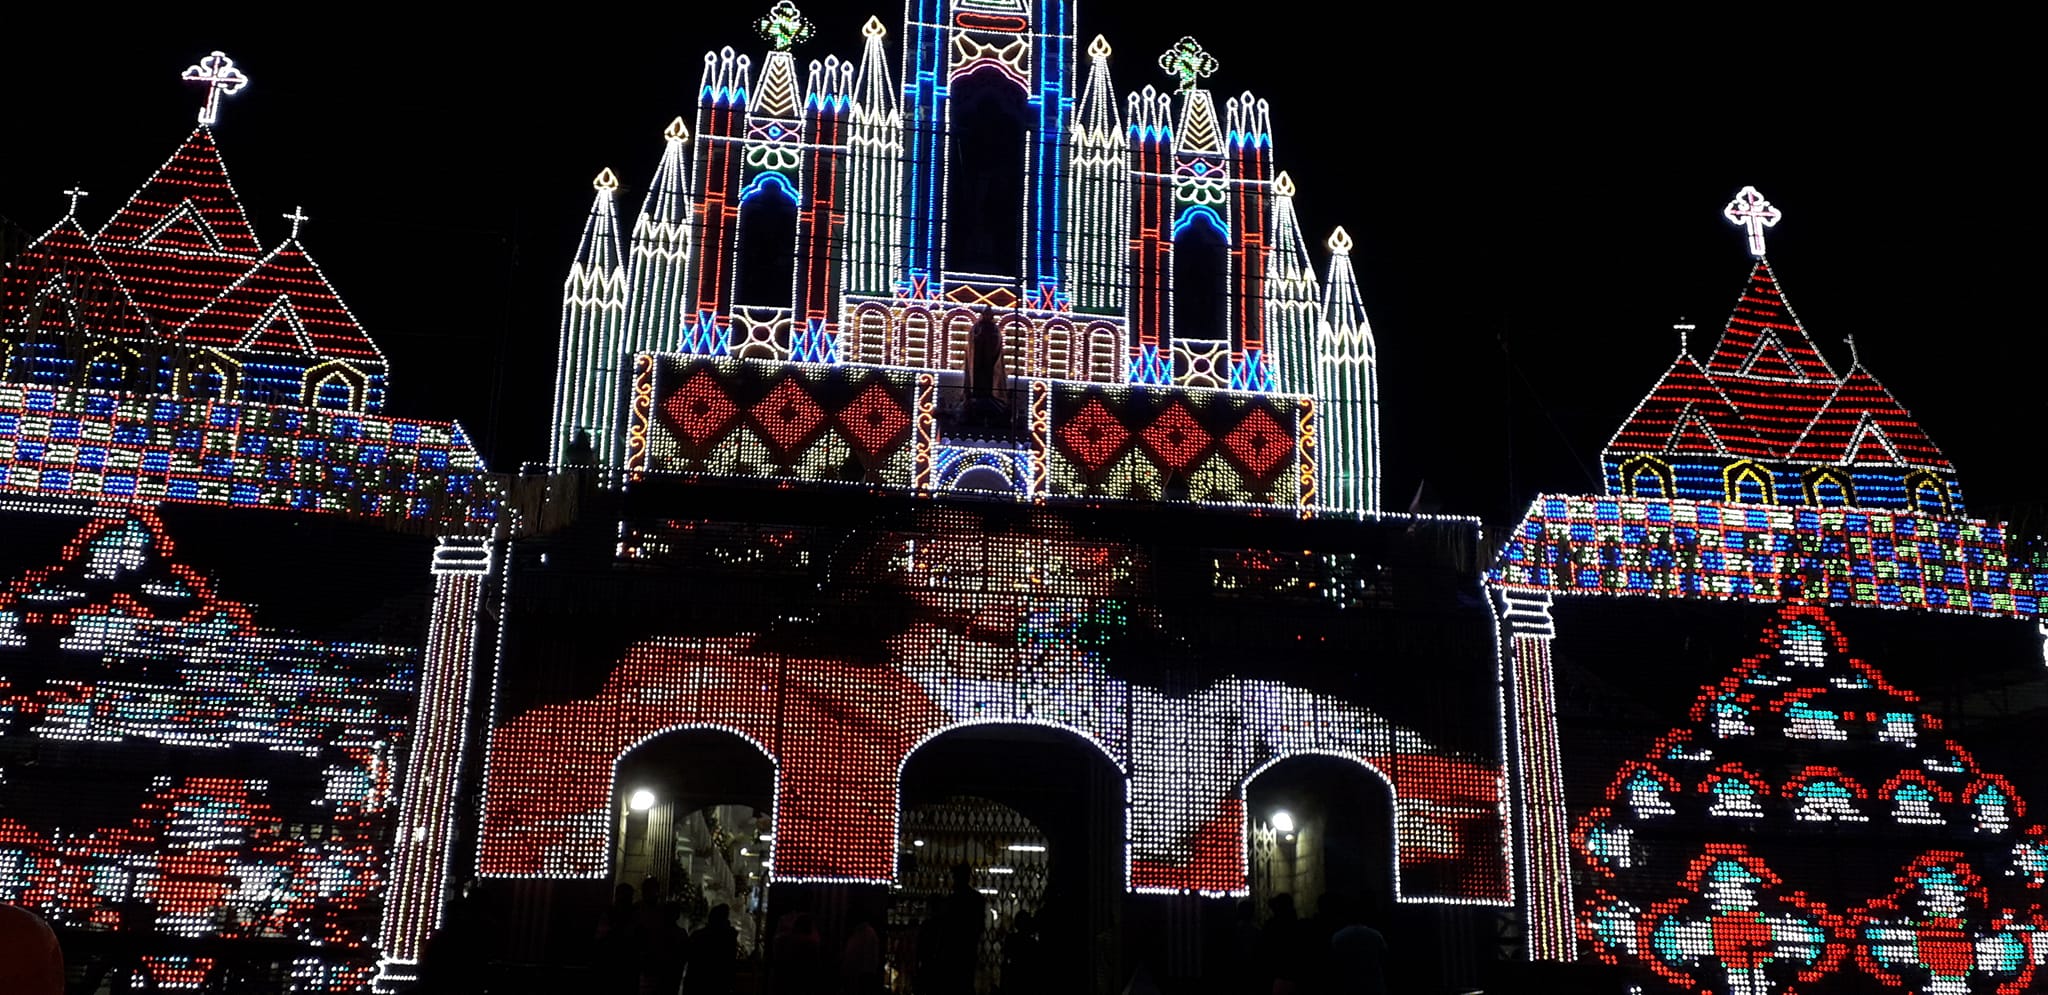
(714, 955)
(986, 351)
(797, 956)
(860, 959)
(1355, 954)
(31, 963)
(456, 958)
(951, 944)
(618, 946)
(1290, 961)
(1247, 948)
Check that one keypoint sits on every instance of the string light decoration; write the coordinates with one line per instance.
(1699, 816)
(1048, 605)
(1766, 419)
(851, 424)
(118, 646)
(1108, 189)
(218, 74)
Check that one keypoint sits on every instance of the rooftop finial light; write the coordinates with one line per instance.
(1188, 61)
(1750, 210)
(218, 73)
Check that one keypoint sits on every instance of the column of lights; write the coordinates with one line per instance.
(426, 818)
(1292, 296)
(592, 343)
(822, 218)
(1542, 819)
(1762, 718)
(1151, 254)
(1250, 134)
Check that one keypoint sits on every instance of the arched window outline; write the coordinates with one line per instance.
(872, 333)
(217, 364)
(1634, 470)
(1928, 493)
(126, 364)
(747, 282)
(1749, 472)
(334, 371)
(1815, 479)
(1200, 232)
(1105, 353)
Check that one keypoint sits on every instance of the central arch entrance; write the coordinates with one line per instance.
(694, 822)
(1037, 816)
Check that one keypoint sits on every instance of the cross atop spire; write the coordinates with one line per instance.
(218, 74)
(1189, 61)
(77, 190)
(1750, 210)
(784, 26)
(297, 217)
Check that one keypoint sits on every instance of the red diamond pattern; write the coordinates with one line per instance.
(874, 422)
(789, 417)
(1259, 443)
(1176, 438)
(1093, 436)
(699, 411)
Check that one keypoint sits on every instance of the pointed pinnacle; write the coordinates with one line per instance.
(606, 180)
(1283, 184)
(1340, 241)
(874, 28)
(1099, 48)
(676, 131)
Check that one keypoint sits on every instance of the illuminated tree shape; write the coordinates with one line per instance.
(1188, 62)
(1753, 213)
(784, 26)
(218, 74)
(1804, 708)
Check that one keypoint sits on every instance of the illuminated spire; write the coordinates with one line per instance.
(1098, 122)
(874, 233)
(218, 74)
(1098, 212)
(1293, 295)
(660, 250)
(1347, 389)
(592, 347)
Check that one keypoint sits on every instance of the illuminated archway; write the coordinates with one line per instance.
(765, 270)
(1928, 493)
(1827, 487)
(1749, 482)
(693, 809)
(988, 123)
(1321, 822)
(212, 376)
(1646, 477)
(334, 386)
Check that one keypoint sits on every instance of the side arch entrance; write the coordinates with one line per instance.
(693, 822)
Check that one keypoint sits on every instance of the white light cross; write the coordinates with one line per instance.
(220, 77)
(297, 218)
(1750, 210)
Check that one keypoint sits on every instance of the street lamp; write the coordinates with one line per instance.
(641, 800)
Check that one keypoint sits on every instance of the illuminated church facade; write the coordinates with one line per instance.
(804, 609)
(1163, 326)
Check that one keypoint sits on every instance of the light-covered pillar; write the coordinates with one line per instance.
(1541, 818)
(422, 846)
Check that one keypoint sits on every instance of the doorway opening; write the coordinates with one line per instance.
(695, 825)
(1036, 817)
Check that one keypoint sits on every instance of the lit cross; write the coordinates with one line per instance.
(784, 26)
(1750, 210)
(1189, 61)
(221, 78)
(74, 193)
(297, 218)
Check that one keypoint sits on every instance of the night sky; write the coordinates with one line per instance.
(1535, 202)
